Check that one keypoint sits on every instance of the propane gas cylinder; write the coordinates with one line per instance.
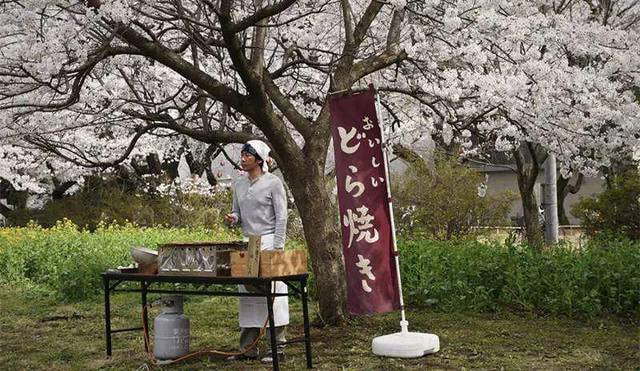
(171, 330)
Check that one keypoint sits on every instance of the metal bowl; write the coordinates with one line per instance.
(143, 255)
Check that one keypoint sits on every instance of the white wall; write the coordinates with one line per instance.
(500, 181)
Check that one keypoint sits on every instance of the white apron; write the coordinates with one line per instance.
(253, 310)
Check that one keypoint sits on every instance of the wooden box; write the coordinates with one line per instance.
(272, 263)
(148, 268)
(197, 258)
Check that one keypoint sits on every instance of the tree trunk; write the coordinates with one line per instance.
(17, 200)
(531, 216)
(153, 160)
(320, 222)
(61, 188)
(562, 213)
(527, 169)
(304, 173)
(564, 188)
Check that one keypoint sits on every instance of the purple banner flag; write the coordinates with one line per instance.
(367, 243)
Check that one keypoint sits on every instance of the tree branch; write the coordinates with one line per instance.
(376, 63)
(393, 36)
(249, 77)
(302, 124)
(348, 21)
(260, 14)
(214, 136)
(256, 60)
(363, 25)
(167, 57)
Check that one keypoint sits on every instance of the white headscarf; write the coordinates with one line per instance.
(263, 151)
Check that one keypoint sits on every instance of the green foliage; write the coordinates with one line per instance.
(616, 211)
(444, 203)
(601, 278)
(67, 260)
(458, 275)
(107, 201)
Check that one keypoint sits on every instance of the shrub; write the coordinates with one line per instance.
(445, 203)
(103, 201)
(601, 278)
(67, 261)
(616, 211)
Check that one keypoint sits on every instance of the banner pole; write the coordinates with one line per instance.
(404, 324)
(403, 344)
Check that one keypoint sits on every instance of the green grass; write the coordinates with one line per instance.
(42, 334)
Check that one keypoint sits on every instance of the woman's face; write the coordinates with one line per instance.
(248, 161)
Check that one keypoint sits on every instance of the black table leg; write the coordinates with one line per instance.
(143, 289)
(107, 314)
(272, 328)
(305, 314)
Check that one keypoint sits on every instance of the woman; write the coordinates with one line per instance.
(260, 205)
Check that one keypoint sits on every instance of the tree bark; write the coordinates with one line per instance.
(564, 188)
(320, 223)
(60, 189)
(531, 215)
(153, 161)
(16, 199)
(527, 170)
(408, 155)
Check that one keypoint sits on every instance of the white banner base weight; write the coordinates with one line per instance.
(405, 344)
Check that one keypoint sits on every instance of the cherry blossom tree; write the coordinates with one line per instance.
(95, 84)
(529, 78)
(87, 86)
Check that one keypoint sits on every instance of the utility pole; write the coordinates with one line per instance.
(550, 203)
